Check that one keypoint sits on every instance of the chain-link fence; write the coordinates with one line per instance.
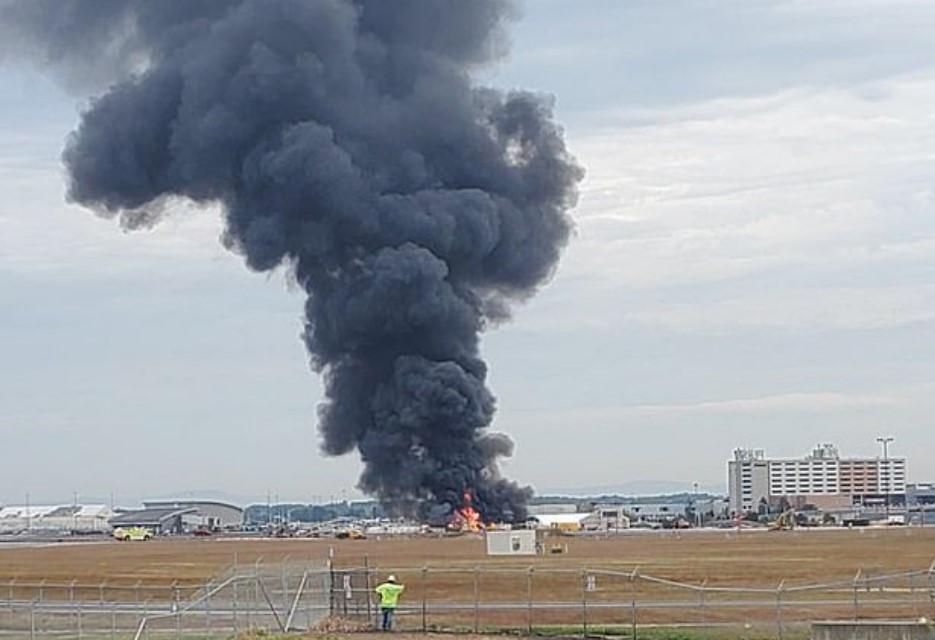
(294, 596)
(600, 601)
(288, 595)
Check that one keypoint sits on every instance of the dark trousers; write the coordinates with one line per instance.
(387, 617)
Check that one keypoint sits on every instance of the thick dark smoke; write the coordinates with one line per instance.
(346, 141)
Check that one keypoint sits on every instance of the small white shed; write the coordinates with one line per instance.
(517, 542)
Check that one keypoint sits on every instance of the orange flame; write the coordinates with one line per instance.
(466, 517)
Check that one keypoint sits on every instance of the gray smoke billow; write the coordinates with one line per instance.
(346, 141)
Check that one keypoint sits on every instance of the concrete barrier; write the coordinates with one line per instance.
(873, 630)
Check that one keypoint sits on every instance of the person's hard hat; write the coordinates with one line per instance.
(391, 579)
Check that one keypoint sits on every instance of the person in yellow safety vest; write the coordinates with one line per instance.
(389, 597)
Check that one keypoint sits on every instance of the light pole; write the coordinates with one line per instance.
(885, 441)
(698, 516)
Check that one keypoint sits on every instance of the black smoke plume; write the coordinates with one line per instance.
(346, 141)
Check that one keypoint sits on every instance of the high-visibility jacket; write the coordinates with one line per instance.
(389, 594)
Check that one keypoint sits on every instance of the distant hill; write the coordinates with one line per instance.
(209, 494)
(583, 502)
(638, 488)
(622, 493)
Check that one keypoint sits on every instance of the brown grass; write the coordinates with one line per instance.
(728, 558)
(455, 565)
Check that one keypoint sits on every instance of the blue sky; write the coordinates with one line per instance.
(752, 266)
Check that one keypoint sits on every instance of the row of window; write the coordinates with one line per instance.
(805, 485)
(792, 476)
(832, 464)
(814, 463)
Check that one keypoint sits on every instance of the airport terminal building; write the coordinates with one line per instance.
(209, 514)
(179, 516)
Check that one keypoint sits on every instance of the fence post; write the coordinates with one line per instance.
(256, 588)
(931, 580)
(370, 616)
(529, 600)
(285, 587)
(703, 591)
(234, 594)
(71, 595)
(310, 569)
(295, 603)
(633, 576)
(425, 579)
(330, 587)
(250, 606)
(174, 605)
(272, 607)
(584, 604)
(779, 608)
(208, 609)
(312, 611)
(857, 596)
(100, 593)
(32, 620)
(476, 599)
(347, 590)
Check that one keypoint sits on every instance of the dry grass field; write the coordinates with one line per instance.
(729, 558)
(459, 574)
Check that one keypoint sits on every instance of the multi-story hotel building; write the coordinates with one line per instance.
(823, 479)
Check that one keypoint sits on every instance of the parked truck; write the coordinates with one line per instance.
(132, 534)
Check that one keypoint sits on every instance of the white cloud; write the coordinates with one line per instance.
(805, 402)
(800, 209)
(805, 309)
(820, 402)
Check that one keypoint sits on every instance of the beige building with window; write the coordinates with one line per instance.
(823, 479)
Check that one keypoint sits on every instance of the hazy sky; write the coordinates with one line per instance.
(754, 265)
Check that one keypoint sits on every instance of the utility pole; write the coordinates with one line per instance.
(885, 441)
(698, 516)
